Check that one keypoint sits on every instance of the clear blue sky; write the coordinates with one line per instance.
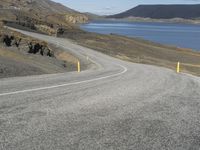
(105, 7)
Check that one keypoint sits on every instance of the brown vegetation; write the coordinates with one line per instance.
(138, 51)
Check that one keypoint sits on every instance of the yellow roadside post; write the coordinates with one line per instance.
(178, 67)
(79, 66)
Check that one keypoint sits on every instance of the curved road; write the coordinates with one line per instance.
(113, 105)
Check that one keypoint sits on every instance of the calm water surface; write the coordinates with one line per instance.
(180, 35)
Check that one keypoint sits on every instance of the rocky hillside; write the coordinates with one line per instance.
(21, 55)
(162, 12)
(39, 14)
(41, 5)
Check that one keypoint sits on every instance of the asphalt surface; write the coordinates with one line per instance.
(113, 105)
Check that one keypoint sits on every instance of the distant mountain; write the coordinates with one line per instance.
(162, 12)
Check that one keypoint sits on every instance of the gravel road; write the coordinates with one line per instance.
(113, 105)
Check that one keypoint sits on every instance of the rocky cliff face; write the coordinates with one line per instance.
(76, 18)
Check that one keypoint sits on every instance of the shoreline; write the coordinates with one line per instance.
(138, 50)
(150, 20)
(141, 38)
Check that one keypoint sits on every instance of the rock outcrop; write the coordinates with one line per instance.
(34, 46)
(77, 18)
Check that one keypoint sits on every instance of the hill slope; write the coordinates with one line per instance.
(21, 55)
(161, 12)
(43, 12)
(42, 5)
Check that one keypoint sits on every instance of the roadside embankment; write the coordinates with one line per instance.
(22, 55)
(139, 51)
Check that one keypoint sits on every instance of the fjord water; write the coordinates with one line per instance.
(179, 35)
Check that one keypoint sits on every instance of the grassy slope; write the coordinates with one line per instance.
(13, 64)
(139, 51)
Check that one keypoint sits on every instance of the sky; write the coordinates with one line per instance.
(107, 7)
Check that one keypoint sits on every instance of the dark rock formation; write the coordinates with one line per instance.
(7, 40)
(39, 48)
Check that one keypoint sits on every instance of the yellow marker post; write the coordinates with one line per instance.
(79, 66)
(178, 67)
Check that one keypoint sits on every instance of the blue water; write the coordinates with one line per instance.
(179, 35)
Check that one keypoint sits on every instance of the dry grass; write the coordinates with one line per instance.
(139, 51)
(67, 57)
